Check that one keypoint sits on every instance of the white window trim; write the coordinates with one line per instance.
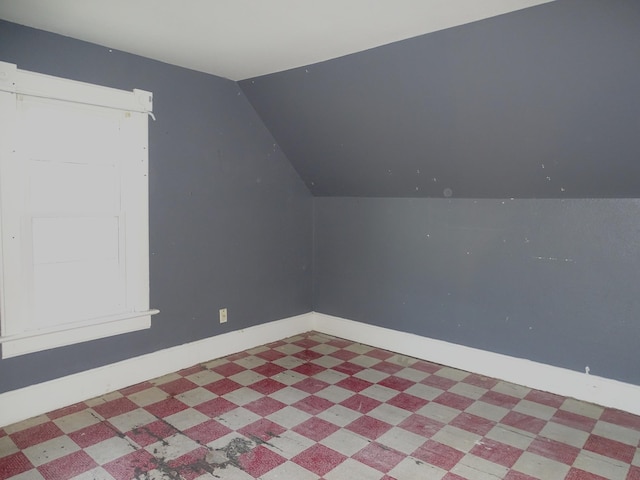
(15, 82)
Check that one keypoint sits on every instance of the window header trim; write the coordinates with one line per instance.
(22, 82)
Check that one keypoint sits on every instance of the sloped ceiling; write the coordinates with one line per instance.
(239, 39)
(539, 103)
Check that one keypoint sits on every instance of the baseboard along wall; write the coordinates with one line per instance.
(27, 402)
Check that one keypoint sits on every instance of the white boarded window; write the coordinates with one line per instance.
(74, 211)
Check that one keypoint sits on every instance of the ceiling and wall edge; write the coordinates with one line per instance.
(538, 103)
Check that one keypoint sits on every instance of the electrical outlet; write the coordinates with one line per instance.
(223, 315)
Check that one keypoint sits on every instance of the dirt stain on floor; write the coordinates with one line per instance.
(214, 459)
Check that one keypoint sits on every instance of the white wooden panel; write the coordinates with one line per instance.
(57, 240)
(74, 291)
(68, 188)
(69, 132)
(78, 270)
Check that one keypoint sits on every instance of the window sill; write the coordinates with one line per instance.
(21, 344)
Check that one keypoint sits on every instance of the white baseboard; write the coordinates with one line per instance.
(27, 402)
(561, 381)
(33, 400)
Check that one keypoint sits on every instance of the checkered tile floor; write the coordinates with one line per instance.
(317, 407)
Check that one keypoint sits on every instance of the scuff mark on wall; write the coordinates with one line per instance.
(555, 259)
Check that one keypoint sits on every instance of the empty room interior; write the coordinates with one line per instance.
(360, 240)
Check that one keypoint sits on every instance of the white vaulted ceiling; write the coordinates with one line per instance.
(240, 39)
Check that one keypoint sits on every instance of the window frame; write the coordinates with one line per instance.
(14, 269)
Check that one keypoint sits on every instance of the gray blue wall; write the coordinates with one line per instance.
(555, 281)
(541, 105)
(230, 220)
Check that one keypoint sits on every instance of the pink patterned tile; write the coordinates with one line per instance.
(397, 383)
(379, 354)
(523, 422)
(189, 466)
(307, 355)
(610, 448)
(132, 465)
(265, 406)
(151, 433)
(634, 473)
(228, 369)
(309, 369)
(427, 367)
(93, 434)
(177, 386)
(387, 367)
(379, 457)
(349, 419)
(620, 418)
(453, 400)
(473, 423)
(207, 431)
(500, 399)
(408, 402)
(138, 387)
(319, 459)
(115, 407)
(306, 343)
(14, 464)
(545, 398)
(313, 405)
(311, 385)
(339, 342)
(185, 372)
(223, 386)
(481, 381)
(434, 453)
(348, 368)
(453, 476)
(270, 355)
(345, 355)
(63, 412)
(269, 369)
(236, 356)
(368, 427)
(262, 429)
(514, 475)
(560, 452)
(166, 407)
(216, 407)
(577, 474)
(37, 434)
(497, 452)
(354, 384)
(267, 386)
(573, 420)
(68, 466)
(315, 428)
(360, 403)
(438, 382)
(420, 425)
(260, 461)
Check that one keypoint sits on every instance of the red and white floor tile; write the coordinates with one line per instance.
(317, 407)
